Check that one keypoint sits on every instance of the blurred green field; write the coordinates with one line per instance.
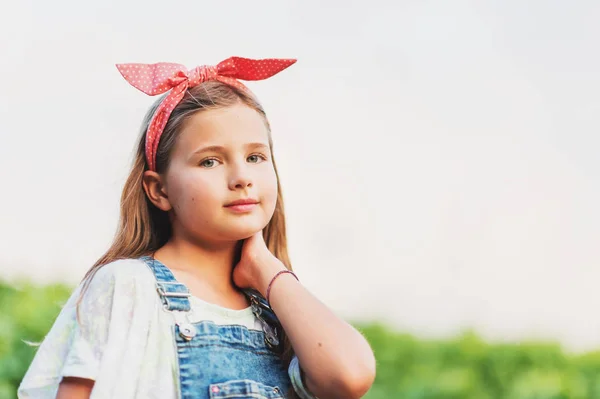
(464, 367)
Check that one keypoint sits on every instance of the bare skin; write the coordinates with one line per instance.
(336, 360)
(76, 388)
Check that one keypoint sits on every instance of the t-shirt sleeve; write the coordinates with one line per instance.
(295, 373)
(106, 343)
(110, 334)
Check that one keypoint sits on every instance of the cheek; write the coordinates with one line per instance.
(269, 191)
(194, 194)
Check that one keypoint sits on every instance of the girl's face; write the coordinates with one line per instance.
(221, 156)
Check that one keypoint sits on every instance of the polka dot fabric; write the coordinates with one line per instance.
(154, 79)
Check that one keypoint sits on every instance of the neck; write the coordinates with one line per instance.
(212, 263)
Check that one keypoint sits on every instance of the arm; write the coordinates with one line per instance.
(336, 359)
(75, 388)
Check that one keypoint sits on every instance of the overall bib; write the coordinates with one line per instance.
(215, 361)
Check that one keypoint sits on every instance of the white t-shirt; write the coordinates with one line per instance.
(124, 340)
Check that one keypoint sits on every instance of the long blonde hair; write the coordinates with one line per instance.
(143, 228)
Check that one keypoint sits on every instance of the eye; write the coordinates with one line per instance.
(256, 158)
(209, 163)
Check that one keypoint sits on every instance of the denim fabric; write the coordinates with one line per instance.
(217, 361)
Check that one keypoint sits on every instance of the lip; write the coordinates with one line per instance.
(245, 201)
(242, 206)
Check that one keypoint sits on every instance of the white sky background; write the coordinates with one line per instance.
(439, 160)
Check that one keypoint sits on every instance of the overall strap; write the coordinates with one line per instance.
(270, 323)
(173, 294)
(261, 306)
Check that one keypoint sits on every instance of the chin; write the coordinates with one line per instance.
(242, 232)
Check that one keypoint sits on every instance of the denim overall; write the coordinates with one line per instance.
(228, 362)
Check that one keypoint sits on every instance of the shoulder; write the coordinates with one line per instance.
(124, 270)
(124, 274)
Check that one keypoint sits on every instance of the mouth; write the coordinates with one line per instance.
(242, 206)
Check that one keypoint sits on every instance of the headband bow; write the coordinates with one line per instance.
(159, 78)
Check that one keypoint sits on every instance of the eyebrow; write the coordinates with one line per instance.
(219, 148)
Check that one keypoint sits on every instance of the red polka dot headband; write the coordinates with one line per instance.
(159, 78)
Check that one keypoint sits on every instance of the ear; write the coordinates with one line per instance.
(155, 190)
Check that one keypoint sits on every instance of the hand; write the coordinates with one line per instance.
(257, 265)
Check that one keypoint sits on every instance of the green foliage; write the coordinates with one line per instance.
(468, 368)
(464, 367)
(26, 313)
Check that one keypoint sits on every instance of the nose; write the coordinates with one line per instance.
(240, 178)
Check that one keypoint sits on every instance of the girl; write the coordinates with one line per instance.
(196, 298)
